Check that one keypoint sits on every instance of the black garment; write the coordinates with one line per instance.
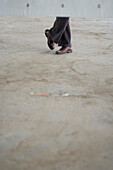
(60, 33)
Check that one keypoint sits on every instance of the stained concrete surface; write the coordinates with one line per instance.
(55, 132)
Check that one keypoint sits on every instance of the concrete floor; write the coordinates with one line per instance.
(56, 132)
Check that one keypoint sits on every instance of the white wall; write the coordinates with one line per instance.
(76, 8)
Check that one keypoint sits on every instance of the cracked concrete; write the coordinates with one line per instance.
(56, 132)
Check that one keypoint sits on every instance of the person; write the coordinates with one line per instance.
(60, 34)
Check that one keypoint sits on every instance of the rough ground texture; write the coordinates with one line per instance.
(55, 132)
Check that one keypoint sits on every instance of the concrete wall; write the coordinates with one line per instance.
(76, 8)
